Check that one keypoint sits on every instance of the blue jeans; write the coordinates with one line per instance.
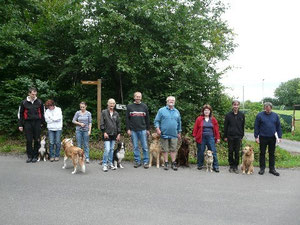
(108, 152)
(54, 139)
(208, 141)
(83, 136)
(142, 136)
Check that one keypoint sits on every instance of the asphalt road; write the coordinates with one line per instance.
(44, 193)
(288, 145)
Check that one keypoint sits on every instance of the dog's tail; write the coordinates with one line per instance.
(81, 154)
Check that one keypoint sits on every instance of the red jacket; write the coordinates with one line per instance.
(198, 128)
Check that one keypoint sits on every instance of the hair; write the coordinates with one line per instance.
(170, 97)
(268, 104)
(137, 92)
(83, 103)
(234, 101)
(49, 103)
(31, 89)
(206, 106)
(111, 100)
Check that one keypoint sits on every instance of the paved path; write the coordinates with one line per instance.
(43, 193)
(291, 146)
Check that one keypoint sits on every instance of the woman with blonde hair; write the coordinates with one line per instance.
(206, 133)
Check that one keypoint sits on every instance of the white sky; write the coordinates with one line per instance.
(268, 35)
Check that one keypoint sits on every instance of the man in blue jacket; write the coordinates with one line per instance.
(168, 125)
(267, 125)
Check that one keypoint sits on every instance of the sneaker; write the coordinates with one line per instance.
(200, 167)
(231, 170)
(146, 165)
(87, 161)
(236, 170)
(112, 167)
(51, 159)
(29, 160)
(274, 172)
(166, 166)
(56, 159)
(216, 170)
(105, 168)
(34, 160)
(261, 171)
(173, 166)
(136, 164)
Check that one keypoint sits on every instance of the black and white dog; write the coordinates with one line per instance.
(119, 154)
(43, 152)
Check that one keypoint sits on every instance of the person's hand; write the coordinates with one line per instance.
(129, 133)
(279, 140)
(225, 139)
(148, 132)
(218, 141)
(21, 129)
(89, 133)
(118, 137)
(82, 124)
(106, 135)
(257, 140)
(158, 131)
(179, 136)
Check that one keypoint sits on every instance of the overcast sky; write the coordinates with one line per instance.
(268, 35)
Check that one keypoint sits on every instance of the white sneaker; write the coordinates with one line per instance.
(105, 168)
(112, 167)
(87, 161)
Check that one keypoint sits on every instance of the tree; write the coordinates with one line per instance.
(287, 92)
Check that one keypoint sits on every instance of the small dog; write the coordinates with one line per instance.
(247, 160)
(74, 153)
(119, 154)
(209, 159)
(155, 151)
(43, 153)
(183, 153)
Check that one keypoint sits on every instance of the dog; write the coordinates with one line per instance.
(119, 154)
(183, 153)
(209, 159)
(247, 160)
(74, 153)
(155, 151)
(43, 152)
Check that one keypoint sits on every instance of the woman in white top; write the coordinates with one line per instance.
(54, 119)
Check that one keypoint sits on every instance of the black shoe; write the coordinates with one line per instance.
(146, 165)
(200, 167)
(166, 166)
(274, 172)
(236, 170)
(173, 166)
(231, 170)
(34, 160)
(136, 164)
(261, 171)
(29, 160)
(216, 170)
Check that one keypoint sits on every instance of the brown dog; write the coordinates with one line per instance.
(247, 161)
(155, 151)
(74, 153)
(183, 153)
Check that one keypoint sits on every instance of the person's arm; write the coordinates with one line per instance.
(75, 120)
(118, 127)
(257, 128)
(157, 122)
(225, 127)
(147, 119)
(57, 115)
(217, 133)
(127, 121)
(48, 117)
(90, 123)
(21, 116)
(278, 128)
(179, 126)
(243, 125)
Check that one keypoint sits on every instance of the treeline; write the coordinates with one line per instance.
(158, 47)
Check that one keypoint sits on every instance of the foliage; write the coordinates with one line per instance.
(287, 92)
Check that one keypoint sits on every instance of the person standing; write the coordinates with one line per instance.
(137, 126)
(111, 129)
(54, 120)
(234, 125)
(206, 133)
(83, 121)
(267, 124)
(168, 125)
(31, 118)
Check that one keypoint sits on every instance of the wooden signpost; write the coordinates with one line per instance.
(98, 83)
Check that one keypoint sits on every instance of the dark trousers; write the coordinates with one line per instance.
(234, 145)
(32, 129)
(264, 142)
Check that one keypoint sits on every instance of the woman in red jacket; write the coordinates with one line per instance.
(206, 133)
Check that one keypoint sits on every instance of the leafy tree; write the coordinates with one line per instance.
(287, 92)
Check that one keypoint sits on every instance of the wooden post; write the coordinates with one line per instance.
(98, 83)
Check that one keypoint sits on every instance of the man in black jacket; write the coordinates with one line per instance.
(233, 133)
(31, 117)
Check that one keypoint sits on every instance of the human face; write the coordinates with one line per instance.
(235, 106)
(171, 102)
(206, 112)
(138, 98)
(32, 95)
(82, 107)
(51, 107)
(111, 105)
(268, 109)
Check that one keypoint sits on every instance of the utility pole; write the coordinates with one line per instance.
(262, 100)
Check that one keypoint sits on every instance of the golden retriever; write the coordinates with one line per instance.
(74, 153)
(247, 160)
(155, 151)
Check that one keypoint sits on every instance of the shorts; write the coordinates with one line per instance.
(169, 145)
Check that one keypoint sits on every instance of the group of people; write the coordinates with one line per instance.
(167, 123)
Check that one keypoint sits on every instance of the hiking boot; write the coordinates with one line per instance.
(216, 170)
(200, 167)
(105, 168)
(274, 172)
(146, 165)
(173, 166)
(261, 171)
(136, 164)
(166, 166)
